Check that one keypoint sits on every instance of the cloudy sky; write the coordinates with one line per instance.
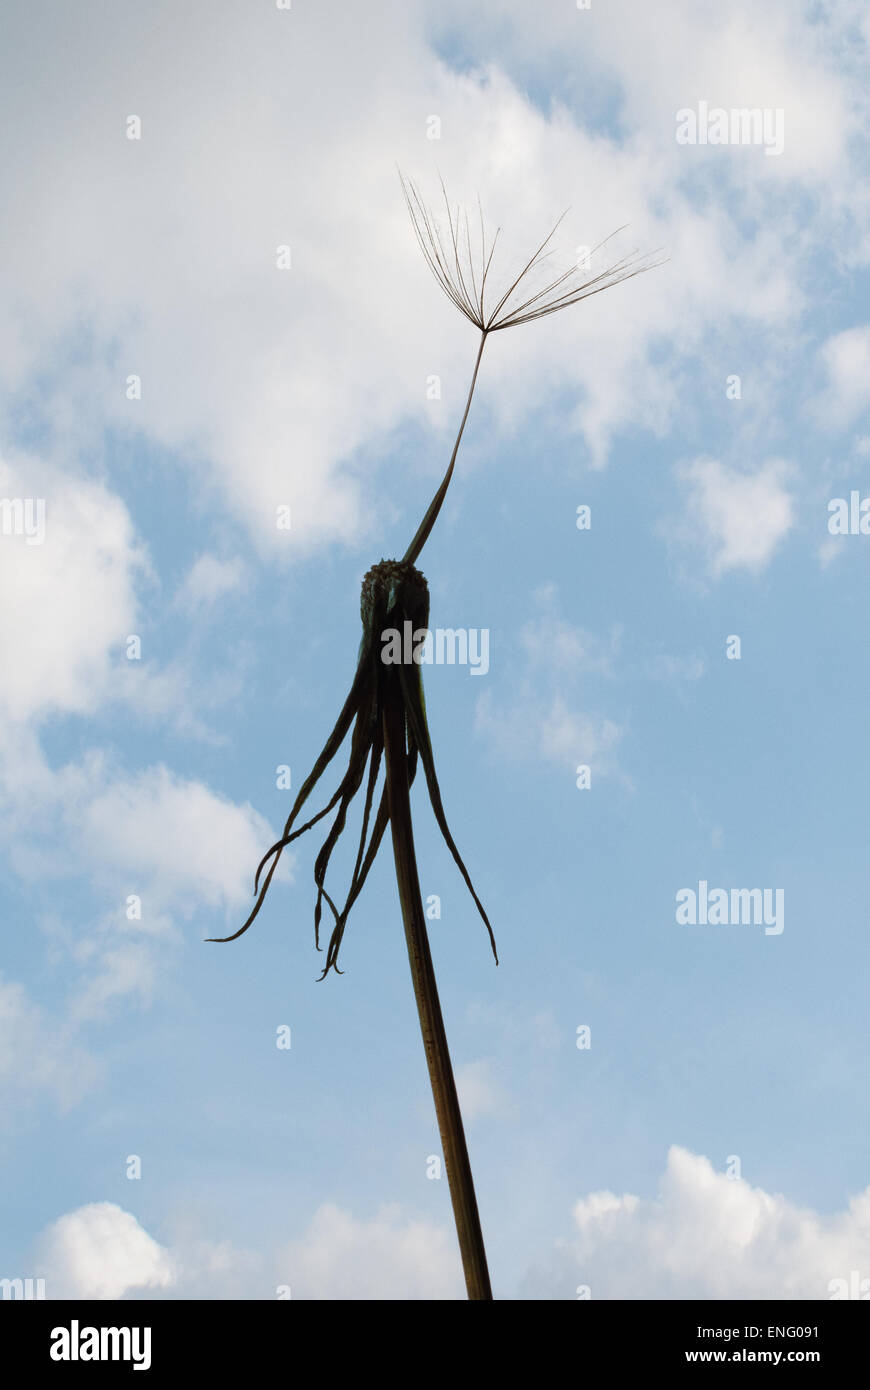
(214, 310)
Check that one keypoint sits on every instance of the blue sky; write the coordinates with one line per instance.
(610, 1168)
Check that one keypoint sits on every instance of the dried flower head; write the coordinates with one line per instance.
(387, 709)
(395, 591)
(461, 264)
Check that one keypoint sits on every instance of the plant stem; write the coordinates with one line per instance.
(453, 1144)
(435, 505)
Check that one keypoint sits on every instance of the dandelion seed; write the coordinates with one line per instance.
(462, 265)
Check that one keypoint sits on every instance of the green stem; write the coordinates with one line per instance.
(453, 1144)
(435, 505)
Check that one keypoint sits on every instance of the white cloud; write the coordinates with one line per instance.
(340, 1257)
(72, 603)
(267, 382)
(706, 1236)
(551, 643)
(542, 718)
(830, 549)
(479, 1090)
(180, 848)
(171, 838)
(548, 728)
(845, 359)
(101, 1251)
(111, 969)
(39, 1054)
(185, 842)
(68, 601)
(738, 518)
(719, 56)
(209, 579)
(566, 736)
(69, 605)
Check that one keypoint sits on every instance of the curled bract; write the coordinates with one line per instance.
(393, 592)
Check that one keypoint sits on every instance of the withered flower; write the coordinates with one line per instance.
(386, 705)
(393, 592)
(462, 265)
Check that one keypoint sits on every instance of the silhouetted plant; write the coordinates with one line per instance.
(386, 704)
